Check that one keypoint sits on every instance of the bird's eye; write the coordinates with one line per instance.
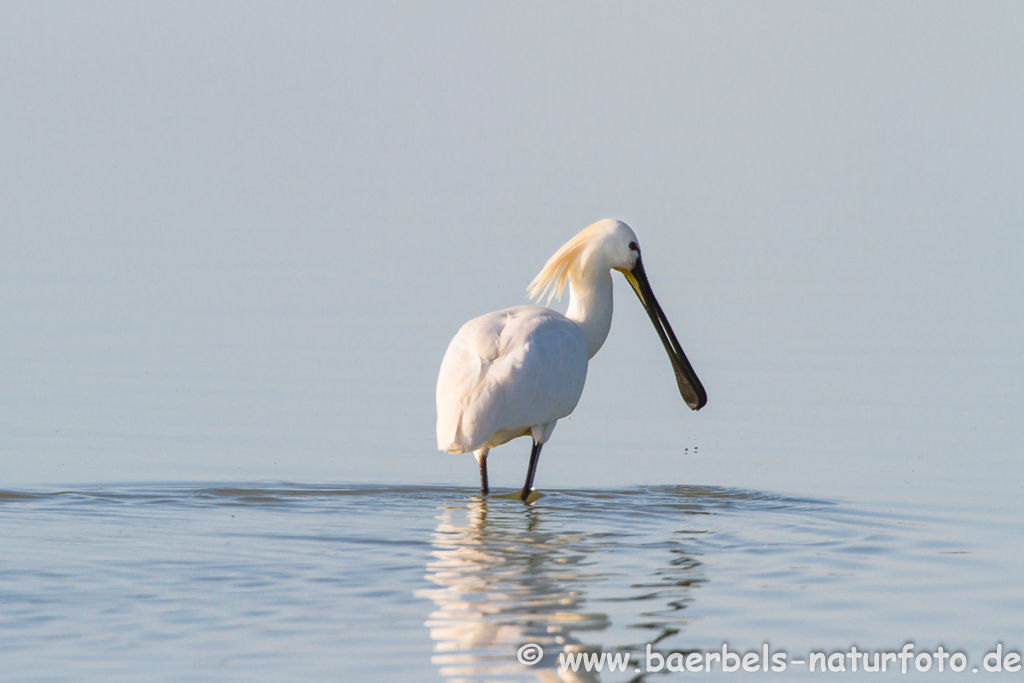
(634, 247)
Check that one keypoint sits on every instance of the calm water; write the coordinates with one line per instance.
(294, 582)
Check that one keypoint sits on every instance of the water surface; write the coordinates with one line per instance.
(299, 582)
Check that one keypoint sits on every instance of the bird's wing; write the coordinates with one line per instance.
(508, 370)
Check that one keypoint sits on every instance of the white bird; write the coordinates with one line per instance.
(516, 372)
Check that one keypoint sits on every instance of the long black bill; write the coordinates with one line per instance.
(690, 387)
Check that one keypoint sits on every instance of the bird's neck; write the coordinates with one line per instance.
(590, 305)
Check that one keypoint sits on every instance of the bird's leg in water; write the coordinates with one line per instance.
(481, 457)
(534, 457)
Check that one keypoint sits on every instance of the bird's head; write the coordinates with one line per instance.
(615, 243)
(604, 245)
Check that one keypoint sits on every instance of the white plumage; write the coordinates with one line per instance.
(507, 372)
(516, 372)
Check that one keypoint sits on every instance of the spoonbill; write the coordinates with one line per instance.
(517, 371)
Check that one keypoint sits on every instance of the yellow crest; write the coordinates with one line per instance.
(556, 272)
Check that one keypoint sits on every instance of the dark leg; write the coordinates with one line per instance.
(534, 457)
(481, 457)
(483, 477)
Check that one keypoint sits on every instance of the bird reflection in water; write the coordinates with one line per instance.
(508, 575)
